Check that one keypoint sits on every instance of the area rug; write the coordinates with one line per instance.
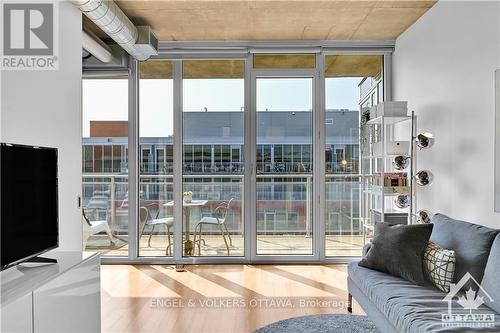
(339, 323)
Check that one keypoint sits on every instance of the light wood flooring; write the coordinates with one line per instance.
(217, 298)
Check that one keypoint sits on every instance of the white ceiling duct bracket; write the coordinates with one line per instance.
(111, 19)
(96, 47)
(119, 61)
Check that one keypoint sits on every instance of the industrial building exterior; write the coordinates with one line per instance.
(213, 166)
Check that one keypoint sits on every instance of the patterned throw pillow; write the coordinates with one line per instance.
(439, 266)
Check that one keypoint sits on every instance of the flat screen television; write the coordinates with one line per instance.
(28, 202)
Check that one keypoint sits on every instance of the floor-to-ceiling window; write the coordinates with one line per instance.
(271, 100)
(353, 83)
(213, 150)
(104, 162)
(156, 140)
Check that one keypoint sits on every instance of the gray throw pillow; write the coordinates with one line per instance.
(398, 250)
(490, 287)
(471, 243)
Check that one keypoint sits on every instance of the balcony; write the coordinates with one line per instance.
(283, 214)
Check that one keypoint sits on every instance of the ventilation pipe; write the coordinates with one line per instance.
(111, 19)
(96, 47)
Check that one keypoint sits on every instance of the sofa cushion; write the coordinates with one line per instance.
(490, 284)
(439, 266)
(408, 307)
(398, 250)
(471, 243)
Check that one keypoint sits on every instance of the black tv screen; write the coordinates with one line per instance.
(28, 202)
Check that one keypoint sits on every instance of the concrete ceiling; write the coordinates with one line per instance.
(190, 20)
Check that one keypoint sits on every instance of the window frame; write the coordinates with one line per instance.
(177, 52)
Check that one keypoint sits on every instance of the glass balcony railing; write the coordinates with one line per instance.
(283, 201)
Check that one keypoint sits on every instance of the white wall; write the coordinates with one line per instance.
(44, 108)
(444, 66)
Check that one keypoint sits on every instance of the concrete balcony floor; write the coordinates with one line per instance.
(336, 245)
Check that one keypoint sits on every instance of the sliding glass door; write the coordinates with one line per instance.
(284, 110)
(213, 165)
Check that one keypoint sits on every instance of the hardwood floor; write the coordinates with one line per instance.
(217, 298)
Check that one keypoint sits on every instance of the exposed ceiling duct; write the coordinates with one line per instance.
(139, 42)
(96, 47)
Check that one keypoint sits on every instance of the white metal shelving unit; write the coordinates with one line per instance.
(378, 200)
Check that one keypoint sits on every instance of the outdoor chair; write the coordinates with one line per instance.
(218, 218)
(146, 219)
(94, 227)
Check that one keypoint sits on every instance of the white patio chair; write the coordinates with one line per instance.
(153, 222)
(93, 228)
(218, 218)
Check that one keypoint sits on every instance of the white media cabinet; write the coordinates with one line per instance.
(62, 297)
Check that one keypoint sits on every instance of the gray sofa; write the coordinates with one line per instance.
(396, 305)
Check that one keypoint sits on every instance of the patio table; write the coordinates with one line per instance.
(188, 244)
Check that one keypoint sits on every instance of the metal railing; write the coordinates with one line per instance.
(275, 193)
(159, 168)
